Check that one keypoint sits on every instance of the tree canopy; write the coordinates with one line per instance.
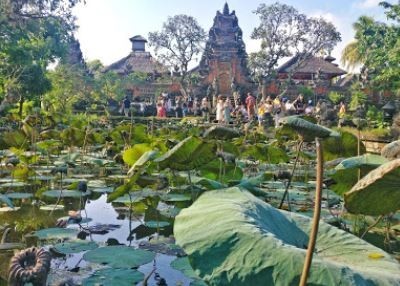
(285, 32)
(178, 43)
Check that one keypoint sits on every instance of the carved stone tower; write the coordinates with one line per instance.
(224, 62)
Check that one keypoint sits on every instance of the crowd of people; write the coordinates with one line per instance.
(267, 111)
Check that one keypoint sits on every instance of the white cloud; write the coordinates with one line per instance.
(367, 4)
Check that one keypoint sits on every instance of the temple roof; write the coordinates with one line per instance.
(311, 65)
(138, 38)
(137, 62)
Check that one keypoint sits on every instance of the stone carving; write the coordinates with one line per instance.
(225, 54)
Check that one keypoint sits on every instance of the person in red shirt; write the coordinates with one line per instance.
(250, 104)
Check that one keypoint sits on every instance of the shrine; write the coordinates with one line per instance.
(224, 62)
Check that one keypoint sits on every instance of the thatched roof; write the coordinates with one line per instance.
(137, 62)
(311, 66)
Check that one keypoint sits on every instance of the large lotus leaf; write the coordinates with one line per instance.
(305, 129)
(343, 146)
(346, 173)
(15, 138)
(392, 150)
(182, 264)
(361, 161)
(221, 133)
(189, 154)
(131, 155)
(119, 256)
(229, 171)
(73, 136)
(144, 158)
(207, 183)
(265, 153)
(377, 193)
(74, 246)
(234, 238)
(55, 233)
(114, 277)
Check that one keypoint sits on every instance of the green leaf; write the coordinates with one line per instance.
(377, 193)
(133, 154)
(221, 133)
(265, 153)
(189, 154)
(234, 238)
(141, 162)
(230, 172)
(305, 129)
(55, 233)
(182, 264)
(114, 277)
(74, 246)
(341, 147)
(346, 173)
(119, 256)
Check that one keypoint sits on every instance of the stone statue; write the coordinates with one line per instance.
(215, 85)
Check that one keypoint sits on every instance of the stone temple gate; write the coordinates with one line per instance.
(224, 62)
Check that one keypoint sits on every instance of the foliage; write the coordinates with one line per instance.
(238, 225)
(306, 91)
(283, 32)
(358, 99)
(341, 147)
(189, 154)
(34, 33)
(377, 193)
(178, 43)
(114, 277)
(335, 97)
(377, 47)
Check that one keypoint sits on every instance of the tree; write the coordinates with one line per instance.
(377, 48)
(178, 43)
(34, 33)
(285, 32)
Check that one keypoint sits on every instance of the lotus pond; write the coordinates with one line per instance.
(103, 200)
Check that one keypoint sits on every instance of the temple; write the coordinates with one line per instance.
(224, 62)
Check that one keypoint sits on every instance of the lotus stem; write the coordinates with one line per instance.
(316, 217)
(291, 176)
(372, 225)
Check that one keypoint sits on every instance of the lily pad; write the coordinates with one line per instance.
(64, 194)
(119, 256)
(156, 224)
(55, 233)
(96, 184)
(19, 195)
(377, 193)
(176, 198)
(103, 190)
(13, 185)
(392, 150)
(74, 246)
(8, 209)
(51, 207)
(114, 277)
(234, 238)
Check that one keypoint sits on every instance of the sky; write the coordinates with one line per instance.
(105, 26)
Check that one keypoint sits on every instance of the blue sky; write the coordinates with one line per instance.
(105, 26)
